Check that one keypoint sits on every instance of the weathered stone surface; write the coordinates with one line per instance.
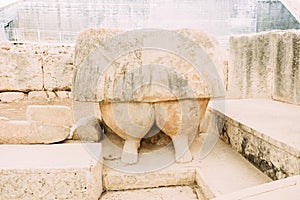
(20, 71)
(180, 120)
(63, 94)
(49, 133)
(150, 76)
(62, 171)
(50, 95)
(114, 180)
(139, 81)
(41, 95)
(265, 65)
(25, 132)
(131, 121)
(15, 132)
(218, 55)
(50, 115)
(250, 72)
(176, 193)
(134, 119)
(35, 67)
(58, 70)
(287, 67)
(151, 68)
(281, 189)
(37, 95)
(89, 39)
(266, 133)
(11, 96)
(212, 173)
(87, 129)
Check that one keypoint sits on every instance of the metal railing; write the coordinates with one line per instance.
(22, 35)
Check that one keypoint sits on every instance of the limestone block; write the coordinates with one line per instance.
(25, 132)
(63, 94)
(50, 95)
(87, 129)
(130, 85)
(165, 77)
(58, 71)
(20, 71)
(287, 67)
(265, 132)
(89, 39)
(61, 171)
(37, 95)
(15, 132)
(218, 55)
(250, 72)
(265, 65)
(146, 75)
(50, 115)
(115, 180)
(50, 133)
(11, 96)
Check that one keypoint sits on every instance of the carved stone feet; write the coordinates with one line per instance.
(177, 119)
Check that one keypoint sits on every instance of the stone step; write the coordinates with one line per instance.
(221, 172)
(44, 124)
(224, 171)
(164, 193)
(265, 132)
(282, 189)
(58, 171)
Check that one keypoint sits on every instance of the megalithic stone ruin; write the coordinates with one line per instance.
(146, 77)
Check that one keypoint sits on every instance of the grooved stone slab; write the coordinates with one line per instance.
(60, 171)
(265, 65)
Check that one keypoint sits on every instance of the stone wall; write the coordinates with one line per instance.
(32, 71)
(265, 65)
(36, 71)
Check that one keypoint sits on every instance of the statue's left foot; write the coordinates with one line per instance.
(182, 152)
(130, 154)
(184, 158)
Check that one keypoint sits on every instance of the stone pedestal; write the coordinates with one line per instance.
(60, 171)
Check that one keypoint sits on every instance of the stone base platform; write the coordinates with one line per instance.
(59, 171)
(221, 172)
(265, 132)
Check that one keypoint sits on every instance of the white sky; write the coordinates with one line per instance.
(293, 6)
(6, 2)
